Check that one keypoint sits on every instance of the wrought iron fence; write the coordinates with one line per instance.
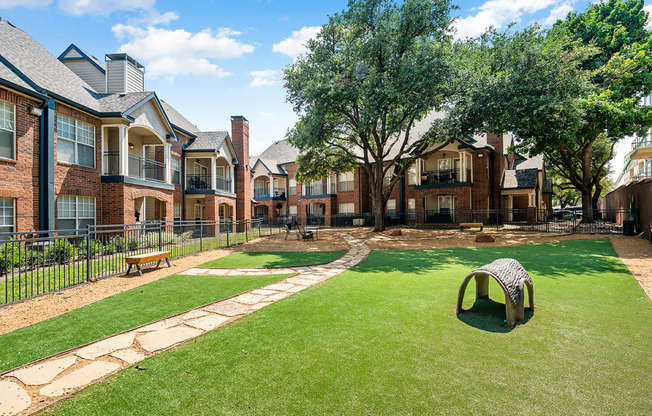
(34, 263)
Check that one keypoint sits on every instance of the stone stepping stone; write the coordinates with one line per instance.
(129, 356)
(195, 271)
(193, 314)
(283, 271)
(279, 286)
(298, 281)
(43, 373)
(249, 299)
(259, 306)
(209, 322)
(278, 296)
(228, 309)
(158, 340)
(218, 272)
(157, 326)
(312, 276)
(79, 378)
(106, 346)
(13, 398)
(249, 270)
(302, 269)
(264, 292)
(296, 289)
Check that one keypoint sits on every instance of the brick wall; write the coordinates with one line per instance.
(240, 138)
(118, 203)
(71, 179)
(19, 179)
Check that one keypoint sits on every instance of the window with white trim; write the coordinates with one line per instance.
(391, 207)
(347, 208)
(75, 212)
(293, 210)
(293, 187)
(75, 141)
(345, 181)
(175, 161)
(412, 208)
(7, 130)
(177, 212)
(7, 215)
(412, 174)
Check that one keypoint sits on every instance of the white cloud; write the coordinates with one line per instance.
(6, 4)
(558, 13)
(496, 13)
(265, 78)
(267, 116)
(152, 17)
(648, 9)
(171, 53)
(103, 7)
(295, 44)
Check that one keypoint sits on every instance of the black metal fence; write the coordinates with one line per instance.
(35, 263)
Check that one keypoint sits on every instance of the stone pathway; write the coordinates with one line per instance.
(32, 387)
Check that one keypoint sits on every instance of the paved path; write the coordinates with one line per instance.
(34, 386)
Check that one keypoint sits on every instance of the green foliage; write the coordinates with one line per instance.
(96, 248)
(371, 73)
(60, 251)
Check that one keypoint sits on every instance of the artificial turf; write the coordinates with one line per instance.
(383, 339)
(120, 312)
(273, 259)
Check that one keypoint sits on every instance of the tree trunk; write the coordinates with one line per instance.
(587, 207)
(377, 197)
(587, 188)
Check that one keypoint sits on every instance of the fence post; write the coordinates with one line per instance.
(246, 231)
(259, 229)
(227, 233)
(88, 253)
(160, 236)
(201, 235)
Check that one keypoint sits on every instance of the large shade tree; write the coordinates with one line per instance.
(372, 72)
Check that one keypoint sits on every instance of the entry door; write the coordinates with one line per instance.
(445, 204)
(444, 164)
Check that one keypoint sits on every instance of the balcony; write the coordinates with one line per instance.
(320, 189)
(263, 193)
(641, 149)
(445, 177)
(138, 167)
(203, 182)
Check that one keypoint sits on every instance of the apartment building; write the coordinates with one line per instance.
(472, 174)
(82, 142)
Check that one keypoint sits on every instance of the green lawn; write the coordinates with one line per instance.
(117, 313)
(273, 259)
(383, 339)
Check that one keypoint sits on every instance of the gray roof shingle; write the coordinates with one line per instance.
(120, 102)
(534, 162)
(178, 120)
(519, 179)
(208, 140)
(40, 66)
(280, 152)
(7, 74)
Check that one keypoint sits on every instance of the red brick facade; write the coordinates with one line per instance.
(240, 138)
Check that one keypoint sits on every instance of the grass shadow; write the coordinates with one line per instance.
(488, 315)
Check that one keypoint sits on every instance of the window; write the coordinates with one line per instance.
(75, 141)
(388, 176)
(293, 187)
(75, 212)
(6, 215)
(445, 204)
(412, 174)
(176, 170)
(347, 208)
(412, 208)
(345, 181)
(391, 207)
(177, 212)
(293, 210)
(7, 130)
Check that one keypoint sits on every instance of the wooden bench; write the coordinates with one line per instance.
(139, 259)
(471, 225)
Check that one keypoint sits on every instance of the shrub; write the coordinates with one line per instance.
(132, 244)
(60, 251)
(96, 248)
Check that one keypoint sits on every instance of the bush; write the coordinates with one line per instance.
(60, 251)
(10, 255)
(96, 248)
(132, 244)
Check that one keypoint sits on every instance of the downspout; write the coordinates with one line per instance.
(183, 181)
(46, 171)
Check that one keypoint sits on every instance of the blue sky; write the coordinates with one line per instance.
(214, 59)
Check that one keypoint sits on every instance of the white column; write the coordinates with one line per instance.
(418, 170)
(271, 186)
(168, 163)
(103, 135)
(123, 150)
(232, 178)
(328, 184)
(214, 173)
(463, 166)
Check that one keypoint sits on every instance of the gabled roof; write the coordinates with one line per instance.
(525, 162)
(122, 102)
(37, 64)
(519, 179)
(9, 75)
(271, 166)
(280, 152)
(84, 55)
(179, 121)
(211, 141)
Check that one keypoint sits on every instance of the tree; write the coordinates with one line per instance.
(372, 72)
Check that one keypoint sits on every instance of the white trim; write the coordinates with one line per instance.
(15, 147)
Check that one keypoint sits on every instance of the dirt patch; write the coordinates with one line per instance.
(636, 253)
(327, 241)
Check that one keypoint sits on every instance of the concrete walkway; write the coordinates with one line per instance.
(32, 387)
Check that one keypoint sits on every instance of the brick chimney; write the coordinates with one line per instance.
(497, 166)
(240, 138)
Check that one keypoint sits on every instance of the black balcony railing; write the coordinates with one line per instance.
(139, 167)
(198, 181)
(647, 142)
(143, 168)
(260, 193)
(443, 176)
(222, 183)
(320, 189)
